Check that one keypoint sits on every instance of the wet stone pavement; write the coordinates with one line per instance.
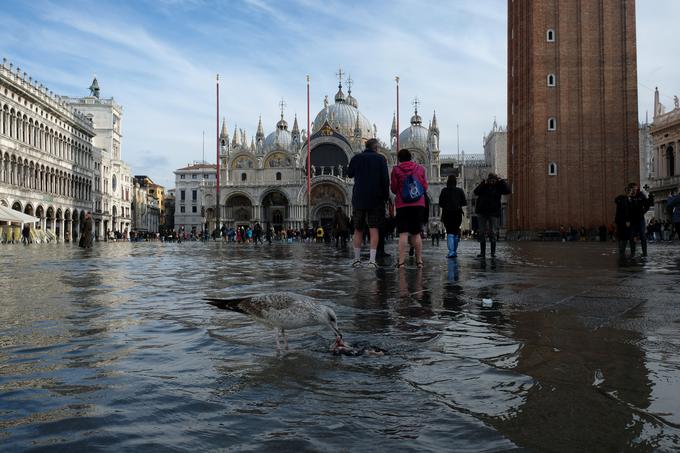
(112, 349)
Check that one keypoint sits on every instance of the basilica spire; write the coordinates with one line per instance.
(236, 139)
(340, 96)
(224, 133)
(434, 127)
(259, 135)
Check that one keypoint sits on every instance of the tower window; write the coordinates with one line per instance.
(552, 124)
(551, 80)
(278, 176)
(552, 169)
(550, 35)
(244, 176)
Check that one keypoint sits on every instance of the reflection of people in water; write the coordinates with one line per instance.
(580, 374)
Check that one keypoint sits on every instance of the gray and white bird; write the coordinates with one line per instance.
(281, 311)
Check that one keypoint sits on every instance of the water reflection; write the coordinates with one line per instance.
(113, 347)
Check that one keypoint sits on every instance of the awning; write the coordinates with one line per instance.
(10, 215)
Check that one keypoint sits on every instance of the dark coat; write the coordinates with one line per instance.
(639, 205)
(623, 215)
(489, 197)
(452, 199)
(371, 180)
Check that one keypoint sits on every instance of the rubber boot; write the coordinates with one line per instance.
(451, 243)
(493, 249)
(632, 248)
(643, 244)
(482, 252)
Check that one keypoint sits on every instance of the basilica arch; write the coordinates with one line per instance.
(239, 209)
(329, 153)
(326, 196)
(275, 209)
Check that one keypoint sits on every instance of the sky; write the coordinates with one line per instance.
(159, 58)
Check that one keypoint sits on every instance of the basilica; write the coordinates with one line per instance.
(266, 180)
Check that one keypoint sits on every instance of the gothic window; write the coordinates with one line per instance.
(552, 124)
(551, 80)
(552, 169)
(244, 176)
(550, 35)
(278, 176)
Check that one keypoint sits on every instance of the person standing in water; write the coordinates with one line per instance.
(451, 201)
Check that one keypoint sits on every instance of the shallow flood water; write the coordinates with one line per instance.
(114, 349)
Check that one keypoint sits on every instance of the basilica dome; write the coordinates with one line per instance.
(342, 116)
(414, 136)
(279, 139)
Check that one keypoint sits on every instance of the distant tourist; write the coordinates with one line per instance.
(340, 227)
(370, 193)
(86, 238)
(673, 206)
(488, 209)
(640, 204)
(451, 201)
(623, 221)
(409, 185)
(26, 235)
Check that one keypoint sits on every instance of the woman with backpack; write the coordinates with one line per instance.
(409, 185)
(451, 201)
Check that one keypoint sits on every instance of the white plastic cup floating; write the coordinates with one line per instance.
(487, 303)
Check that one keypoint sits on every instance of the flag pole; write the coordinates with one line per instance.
(217, 187)
(396, 79)
(309, 161)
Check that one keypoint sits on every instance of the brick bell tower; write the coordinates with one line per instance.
(572, 111)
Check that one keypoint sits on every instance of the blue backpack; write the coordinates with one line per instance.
(412, 190)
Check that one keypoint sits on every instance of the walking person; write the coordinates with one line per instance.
(370, 193)
(673, 206)
(86, 237)
(488, 209)
(25, 234)
(640, 204)
(434, 232)
(340, 227)
(623, 221)
(409, 185)
(451, 201)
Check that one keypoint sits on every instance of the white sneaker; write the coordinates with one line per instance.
(356, 263)
(372, 265)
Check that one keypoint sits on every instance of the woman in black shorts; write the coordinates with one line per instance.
(410, 212)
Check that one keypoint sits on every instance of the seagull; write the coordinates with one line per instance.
(281, 311)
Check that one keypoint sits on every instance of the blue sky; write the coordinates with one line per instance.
(159, 59)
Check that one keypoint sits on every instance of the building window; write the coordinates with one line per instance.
(552, 169)
(244, 176)
(550, 35)
(194, 176)
(181, 176)
(181, 209)
(194, 195)
(193, 209)
(182, 195)
(552, 124)
(551, 80)
(670, 161)
(278, 176)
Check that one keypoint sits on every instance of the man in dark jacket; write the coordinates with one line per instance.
(622, 219)
(488, 209)
(371, 192)
(639, 205)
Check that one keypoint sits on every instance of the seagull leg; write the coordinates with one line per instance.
(278, 345)
(285, 338)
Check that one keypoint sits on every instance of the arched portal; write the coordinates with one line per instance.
(329, 157)
(326, 197)
(275, 209)
(67, 225)
(75, 226)
(49, 224)
(28, 209)
(16, 206)
(60, 223)
(239, 209)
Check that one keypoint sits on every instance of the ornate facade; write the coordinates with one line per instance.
(265, 180)
(665, 159)
(46, 154)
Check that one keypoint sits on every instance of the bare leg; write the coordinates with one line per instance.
(375, 237)
(403, 241)
(418, 245)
